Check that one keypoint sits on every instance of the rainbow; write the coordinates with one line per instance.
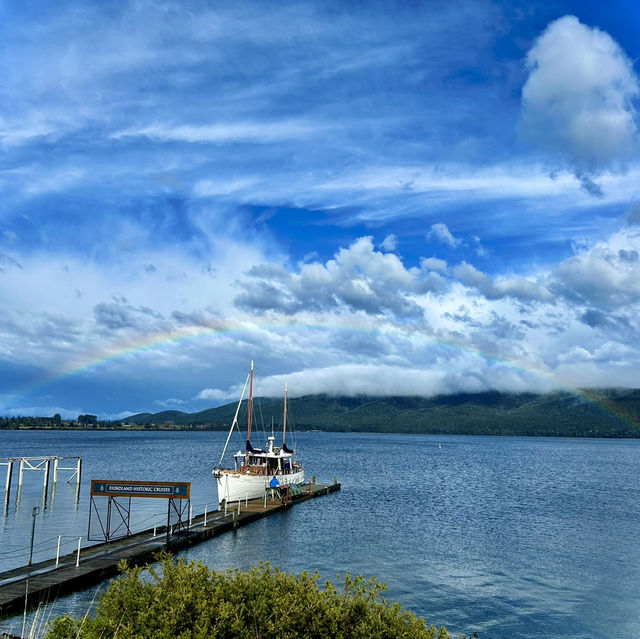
(116, 352)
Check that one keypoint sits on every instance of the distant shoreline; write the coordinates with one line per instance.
(209, 429)
(600, 414)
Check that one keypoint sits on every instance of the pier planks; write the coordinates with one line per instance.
(45, 581)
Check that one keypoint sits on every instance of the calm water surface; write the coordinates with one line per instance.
(509, 537)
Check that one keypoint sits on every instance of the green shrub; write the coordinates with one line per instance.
(181, 600)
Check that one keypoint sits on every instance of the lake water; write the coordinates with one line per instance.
(507, 537)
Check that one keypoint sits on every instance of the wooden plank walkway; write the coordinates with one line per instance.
(45, 581)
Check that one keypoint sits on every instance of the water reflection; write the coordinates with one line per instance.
(526, 538)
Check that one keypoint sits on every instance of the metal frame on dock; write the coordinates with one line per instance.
(177, 494)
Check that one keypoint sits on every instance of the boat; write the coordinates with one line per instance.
(257, 470)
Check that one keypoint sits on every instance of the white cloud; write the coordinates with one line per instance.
(479, 249)
(577, 100)
(467, 372)
(229, 132)
(389, 243)
(217, 395)
(434, 264)
(451, 180)
(605, 276)
(359, 278)
(209, 188)
(518, 288)
(440, 233)
(12, 134)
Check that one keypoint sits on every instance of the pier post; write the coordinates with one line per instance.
(21, 475)
(26, 602)
(34, 514)
(45, 483)
(205, 516)
(79, 471)
(55, 471)
(58, 550)
(190, 514)
(78, 555)
(7, 485)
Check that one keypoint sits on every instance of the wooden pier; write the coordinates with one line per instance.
(45, 581)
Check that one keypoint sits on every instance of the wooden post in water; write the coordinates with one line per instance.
(7, 485)
(78, 555)
(34, 514)
(45, 486)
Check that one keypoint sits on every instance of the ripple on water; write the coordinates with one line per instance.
(509, 537)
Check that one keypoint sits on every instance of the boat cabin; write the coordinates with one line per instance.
(260, 462)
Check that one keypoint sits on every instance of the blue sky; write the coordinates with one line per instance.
(381, 198)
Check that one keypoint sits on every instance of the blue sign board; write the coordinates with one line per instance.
(161, 489)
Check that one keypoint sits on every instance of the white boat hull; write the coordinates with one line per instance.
(235, 486)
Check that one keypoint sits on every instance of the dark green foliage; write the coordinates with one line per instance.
(86, 422)
(593, 413)
(189, 601)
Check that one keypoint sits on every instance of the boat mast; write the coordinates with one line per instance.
(284, 419)
(249, 411)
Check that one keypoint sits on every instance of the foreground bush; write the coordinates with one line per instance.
(189, 601)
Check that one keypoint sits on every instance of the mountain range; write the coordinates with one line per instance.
(592, 413)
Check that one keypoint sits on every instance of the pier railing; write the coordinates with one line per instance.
(60, 545)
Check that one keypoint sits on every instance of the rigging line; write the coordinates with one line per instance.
(235, 420)
(272, 376)
(262, 426)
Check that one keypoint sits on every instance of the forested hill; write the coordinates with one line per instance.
(602, 413)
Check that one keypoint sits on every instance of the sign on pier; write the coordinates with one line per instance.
(116, 522)
(161, 489)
